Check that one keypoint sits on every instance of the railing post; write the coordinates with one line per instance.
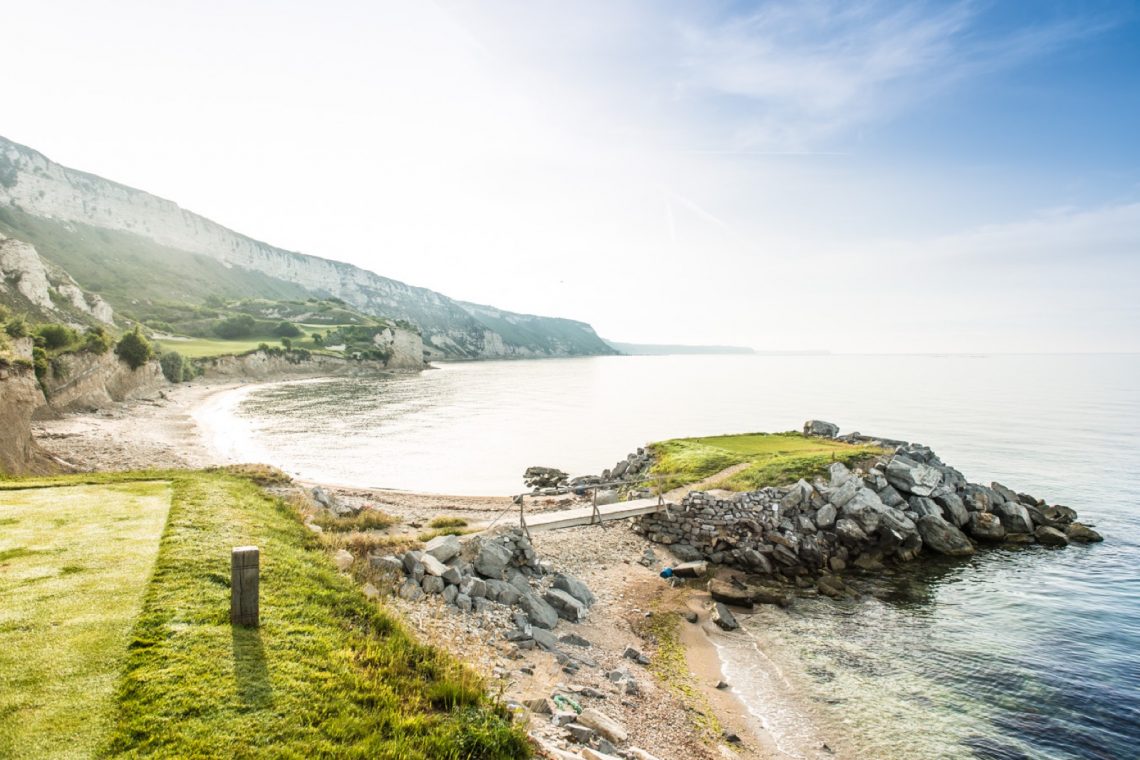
(245, 568)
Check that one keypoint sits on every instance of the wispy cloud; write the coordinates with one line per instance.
(798, 74)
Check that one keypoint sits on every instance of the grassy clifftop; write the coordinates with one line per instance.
(328, 673)
(771, 459)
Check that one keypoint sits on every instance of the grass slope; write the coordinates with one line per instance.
(74, 564)
(774, 459)
(328, 673)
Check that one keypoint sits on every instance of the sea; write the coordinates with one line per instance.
(1012, 653)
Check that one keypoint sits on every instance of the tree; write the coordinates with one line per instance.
(134, 349)
(241, 326)
(173, 366)
(286, 329)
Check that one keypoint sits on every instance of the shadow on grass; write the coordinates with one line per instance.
(250, 670)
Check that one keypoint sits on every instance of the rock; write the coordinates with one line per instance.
(637, 656)
(539, 706)
(825, 517)
(639, 754)
(839, 474)
(943, 537)
(1006, 494)
(452, 575)
(563, 717)
(574, 588)
(605, 751)
(387, 563)
(449, 594)
(979, 498)
(492, 560)
(923, 506)
(912, 477)
(343, 560)
(501, 592)
(1050, 536)
(986, 526)
(1082, 534)
(1014, 517)
(616, 675)
(723, 618)
(410, 590)
(690, 616)
(544, 477)
(865, 508)
(730, 736)
(537, 611)
(722, 685)
(691, 569)
(1059, 514)
(631, 687)
(463, 602)
(443, 548)
(433, 566)
(604, 725)
(843, 494)
(575, 640)
(568, 607)
(722, 591)
(849, 532)
(953, 509)
(768, 595)
(757, 561)
(545, 639)
(473, 587)
(322, 497)
(685, 552)
(410, 560)
(581, 733)
(433, 584)
(821, 429)
(648, 558)
(370, 592)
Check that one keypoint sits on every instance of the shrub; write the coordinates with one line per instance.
(287, 343)
(16, 327)
(240, 326)
(173, 366)
(97, 340)
(40, 362)
(287, 330)
(134, 349)
(317, 339)
(56, 336)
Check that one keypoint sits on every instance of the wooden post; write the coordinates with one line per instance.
(245, 568)
(596, 517)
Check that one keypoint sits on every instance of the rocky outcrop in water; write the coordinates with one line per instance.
(908, 504)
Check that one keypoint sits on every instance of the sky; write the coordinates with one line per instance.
(845, 176)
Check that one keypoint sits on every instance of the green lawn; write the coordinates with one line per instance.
(774, 459)
(328, 673)
(74, 564)
(196, 348)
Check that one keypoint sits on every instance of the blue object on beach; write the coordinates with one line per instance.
(667, 572)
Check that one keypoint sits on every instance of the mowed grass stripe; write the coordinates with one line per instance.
(328, 674)
(74, 565)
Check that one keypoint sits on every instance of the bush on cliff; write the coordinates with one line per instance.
(56, 336)
(16, 327)
(134, 349)
(97, 340)
(173, 366)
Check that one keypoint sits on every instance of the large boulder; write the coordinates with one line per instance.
(943, 537)
(538, 611)
(502, 592)
(567, 607)
(544, 477)
(891, 497)
(604, 725)
(986, 526)
(839, 496)
(821, 429)
(825, 517)
(953, 509)
(1050, 536)
(1003, 493)
(433, 566)
(724, 618)
(865, 508)
(1082, 534)
(574, 588)
(443, 548)
(912, 477)
(839, 474)
(849, 532)
(979, 498)
(1014, 517)
(923, 506)
(492, 560)
(722, 591)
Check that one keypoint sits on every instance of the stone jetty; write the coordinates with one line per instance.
(902, 506)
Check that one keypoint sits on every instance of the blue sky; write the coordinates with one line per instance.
(855, 176)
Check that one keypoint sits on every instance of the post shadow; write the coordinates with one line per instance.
(250, 670)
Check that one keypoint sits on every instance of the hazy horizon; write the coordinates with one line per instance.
(863, 177)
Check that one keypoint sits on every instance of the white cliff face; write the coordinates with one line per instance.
(407, 348)
(22, 269)
(34, 184)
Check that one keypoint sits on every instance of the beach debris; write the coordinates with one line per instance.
(724, 618)
(691, 569)
(564, 702)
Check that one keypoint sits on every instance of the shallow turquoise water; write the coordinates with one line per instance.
(1028, 653)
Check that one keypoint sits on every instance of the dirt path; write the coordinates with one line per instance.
(679, 493)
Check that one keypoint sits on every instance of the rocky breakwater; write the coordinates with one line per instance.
(906, 505)
(631, 471)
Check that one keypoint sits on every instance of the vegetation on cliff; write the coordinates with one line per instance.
(328, 673)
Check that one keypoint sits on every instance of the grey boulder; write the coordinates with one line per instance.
(443, 548)
(943, 537)
(492, 559)
(1014, 517)
(567, 607)
(574, 588)
(821, 428)
(986, 526)
(538, 611)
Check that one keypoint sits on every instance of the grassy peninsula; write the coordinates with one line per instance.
(328, 673)
(766, 459)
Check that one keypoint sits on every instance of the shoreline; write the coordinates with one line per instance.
(168, 431)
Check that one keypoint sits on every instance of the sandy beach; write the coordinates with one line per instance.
(678, 712)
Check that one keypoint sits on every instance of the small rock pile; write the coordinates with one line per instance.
(473, 572)
(907, 502)
(545, 480)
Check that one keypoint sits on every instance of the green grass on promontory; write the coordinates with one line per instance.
(327, 674)
(773, 459)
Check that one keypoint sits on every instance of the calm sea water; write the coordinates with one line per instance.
(1030, 653)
